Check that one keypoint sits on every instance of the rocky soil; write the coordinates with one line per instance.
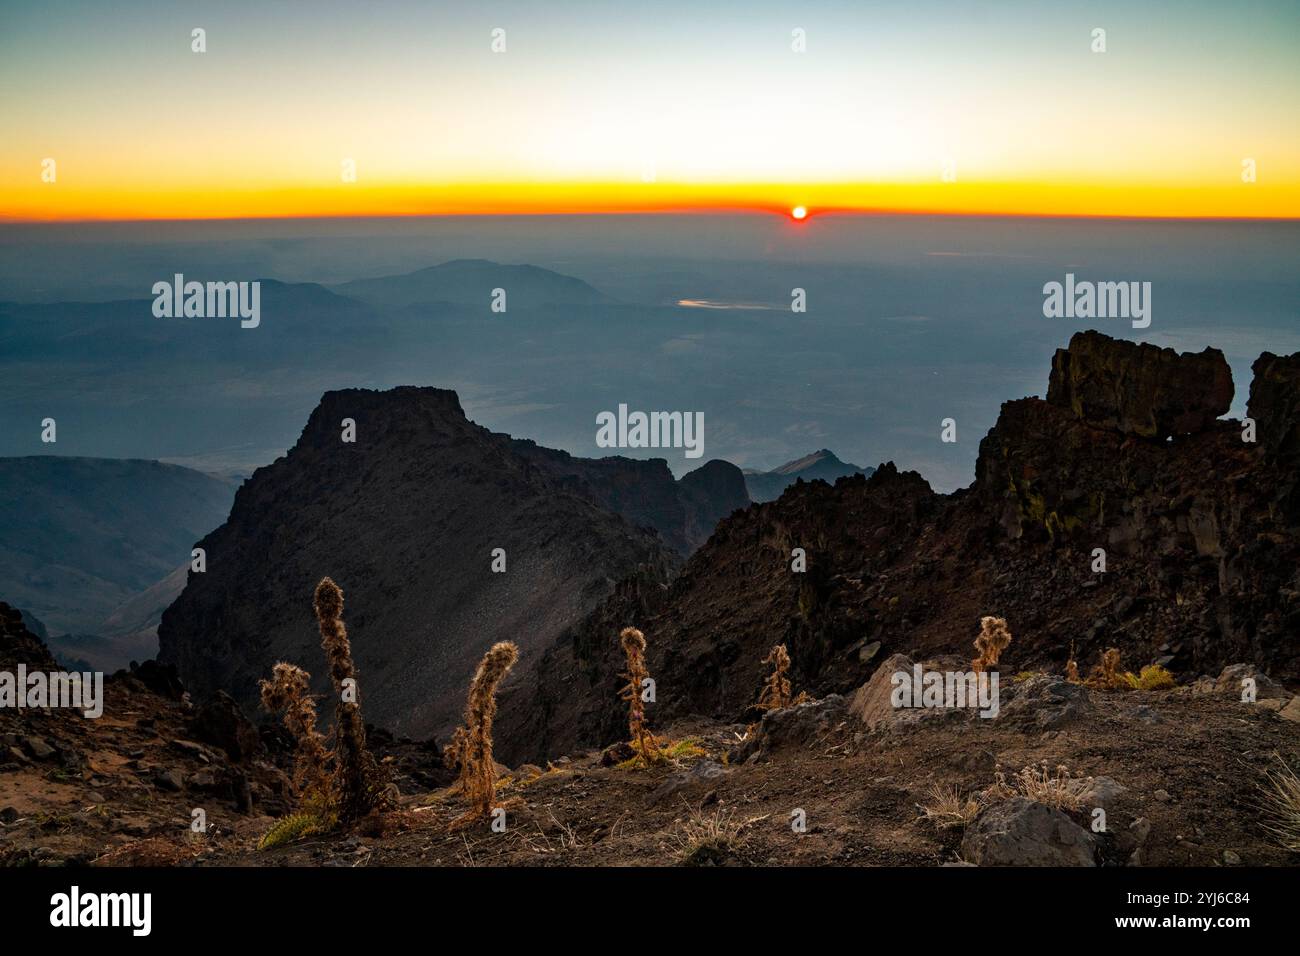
(1176, 773)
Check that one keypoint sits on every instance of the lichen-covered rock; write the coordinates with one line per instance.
(1140, 389)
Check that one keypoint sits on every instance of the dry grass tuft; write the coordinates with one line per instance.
(1151, 677)
(947, 807)
(708, 839)
(1280, 800)
(666, 751)
(993, 638)
(1055, 789)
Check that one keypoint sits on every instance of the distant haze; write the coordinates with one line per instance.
(910, 320)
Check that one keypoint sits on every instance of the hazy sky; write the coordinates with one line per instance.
(603, 106)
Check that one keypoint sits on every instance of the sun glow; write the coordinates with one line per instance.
(799, 212)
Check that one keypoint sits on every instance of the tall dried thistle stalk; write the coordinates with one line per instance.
(994, 636)
(776, 693)
(643, 742)
(360, 783)
(471, 746)
(287, 692)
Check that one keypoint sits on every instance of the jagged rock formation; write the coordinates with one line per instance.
(1201, 562)
(1275, 403)
(406, 519)
(1139, 389)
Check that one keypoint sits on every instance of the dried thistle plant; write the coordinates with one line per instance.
(472, 744)
(776, 692)
(1072, 667)
(643, 742)
(453, 756)
(993, 638)
(361, 786)
(287, 693)
(1107, 674)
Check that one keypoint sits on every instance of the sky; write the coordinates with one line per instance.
(603, 107)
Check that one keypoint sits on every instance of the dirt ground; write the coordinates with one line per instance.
(1190, 765)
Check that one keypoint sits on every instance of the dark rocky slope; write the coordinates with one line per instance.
(1199, 529)
(405, 520)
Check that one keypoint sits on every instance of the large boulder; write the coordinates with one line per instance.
(1232, 680)
(1139, 389)
(873, 702)
(1275, 403)
(1020, 832)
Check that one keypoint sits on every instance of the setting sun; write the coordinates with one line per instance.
(799, 212)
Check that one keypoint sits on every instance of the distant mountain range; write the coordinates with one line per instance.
(90, 546)
(768, 485)
(470, 282)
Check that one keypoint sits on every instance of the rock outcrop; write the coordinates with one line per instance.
(1139, 389)
(1275, 404)
(407, 518)
(1201, 565)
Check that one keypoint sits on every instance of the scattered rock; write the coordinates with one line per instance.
(1049, 702)
(1231, 859)
(1020, 832)
(38, 748)
(1132, 841)
(221, 722)
(704, 773)
(159, 678)
(1291, 711)
(616, 753)
(1099, 792)
(1147, 715)
(168, 780)
(1230, 681)
(798, 726)
(1161, 795)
